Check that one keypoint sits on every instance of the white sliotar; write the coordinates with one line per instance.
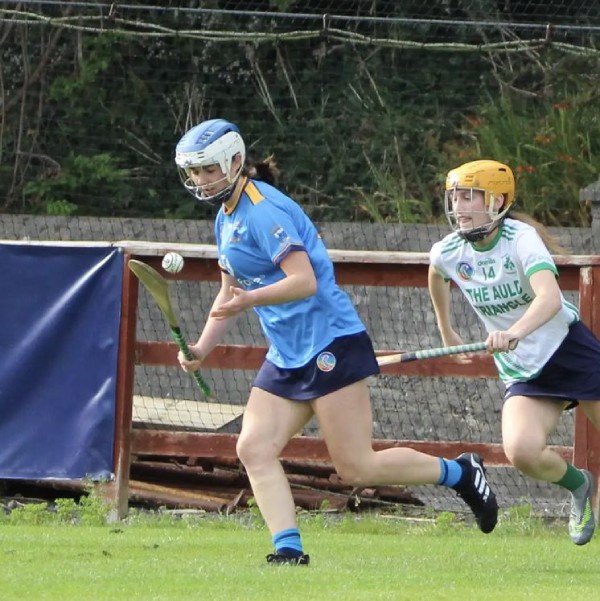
(172, 262)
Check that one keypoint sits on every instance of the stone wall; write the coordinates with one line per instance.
(348, 236)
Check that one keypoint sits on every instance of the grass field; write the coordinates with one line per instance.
(355, 557)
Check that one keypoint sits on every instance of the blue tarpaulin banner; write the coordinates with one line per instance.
(60, 309)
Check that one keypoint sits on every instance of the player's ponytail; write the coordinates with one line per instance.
(265, 170)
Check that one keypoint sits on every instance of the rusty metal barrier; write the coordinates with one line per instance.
(373, 268)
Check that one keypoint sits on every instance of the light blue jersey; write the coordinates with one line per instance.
(253, 237)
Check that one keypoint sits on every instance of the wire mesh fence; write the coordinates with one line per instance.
(364, 104)
(404, 408)
(429, 409)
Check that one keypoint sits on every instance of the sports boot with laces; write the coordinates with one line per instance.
(474, 490)
(581, 521)
(289, 560)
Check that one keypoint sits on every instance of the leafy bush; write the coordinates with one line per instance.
(544, 123)
(552, 149)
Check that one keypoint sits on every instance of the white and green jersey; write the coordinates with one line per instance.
(495, 281)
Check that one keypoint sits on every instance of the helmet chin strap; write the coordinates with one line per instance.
(479, 233)
(219, 197)
(214, 199)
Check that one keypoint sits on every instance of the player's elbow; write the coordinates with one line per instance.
(553, 303)
(307, 286)
(311, 285)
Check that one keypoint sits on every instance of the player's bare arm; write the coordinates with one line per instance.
(439, 290)
(545, 306)
(214, 329)
(300, 282)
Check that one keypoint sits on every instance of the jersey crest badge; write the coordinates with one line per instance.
(464, 271)
(326, 361)
(508, 264)
(280, 235)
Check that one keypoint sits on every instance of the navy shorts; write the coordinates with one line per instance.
(346, 360)
(572, 373)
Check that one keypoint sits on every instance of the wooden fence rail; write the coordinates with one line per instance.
(370, 268)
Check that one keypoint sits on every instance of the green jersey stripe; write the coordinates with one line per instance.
(540, 267)
(510, 371)
(449, 248)
(574, 311)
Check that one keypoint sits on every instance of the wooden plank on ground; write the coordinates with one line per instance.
(190, 414)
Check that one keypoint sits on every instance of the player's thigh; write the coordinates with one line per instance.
(592, 412)
(346, 421)
(270, 421)
(530, 420)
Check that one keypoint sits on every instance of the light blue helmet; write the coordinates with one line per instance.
(212, 142)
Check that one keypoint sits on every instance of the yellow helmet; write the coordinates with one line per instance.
(490, 177)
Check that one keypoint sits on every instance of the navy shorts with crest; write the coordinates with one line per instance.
(571, 374)
(348, 359)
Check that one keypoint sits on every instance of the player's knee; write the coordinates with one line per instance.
(248, 451)
(354, 474)
(522, 455)
(253, 452)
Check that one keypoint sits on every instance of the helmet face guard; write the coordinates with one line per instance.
(491, 178)
(198, 192)
(481, 231)
(213, 142)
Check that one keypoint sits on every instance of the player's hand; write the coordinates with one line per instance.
(453, 339)
(190, 366)
(501, 341)
(240, 301)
